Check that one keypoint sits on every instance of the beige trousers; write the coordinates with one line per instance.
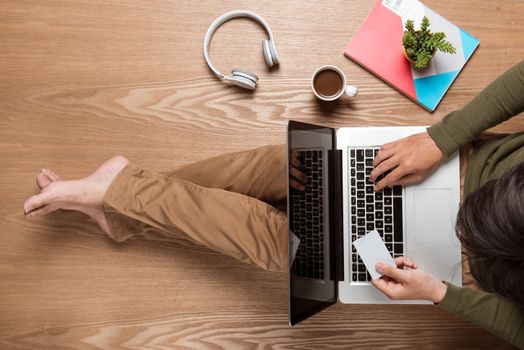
(226, 203)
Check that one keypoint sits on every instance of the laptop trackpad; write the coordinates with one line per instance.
(433, 214)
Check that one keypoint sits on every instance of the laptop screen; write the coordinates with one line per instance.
(312, 285)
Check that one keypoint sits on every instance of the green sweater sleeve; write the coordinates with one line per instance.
(501, 317)
(499, 101)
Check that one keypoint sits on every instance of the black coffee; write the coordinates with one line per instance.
(328, 83)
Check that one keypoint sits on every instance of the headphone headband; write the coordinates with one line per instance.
(222, 19)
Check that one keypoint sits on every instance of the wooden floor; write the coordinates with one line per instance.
(81, 81)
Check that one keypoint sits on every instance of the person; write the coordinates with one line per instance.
(490, 220)
(229, 203)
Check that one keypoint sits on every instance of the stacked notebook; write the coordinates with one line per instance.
(377, 46)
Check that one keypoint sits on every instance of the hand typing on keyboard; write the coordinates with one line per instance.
(409, 160)
(298, 179)
(408, 282)
(372, 210)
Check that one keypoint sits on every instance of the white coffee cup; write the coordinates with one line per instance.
(329, 83)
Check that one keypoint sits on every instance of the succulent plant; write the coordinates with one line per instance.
(421, 45)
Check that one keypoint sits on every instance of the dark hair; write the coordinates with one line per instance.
(490, 225)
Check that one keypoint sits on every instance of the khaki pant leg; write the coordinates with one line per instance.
(237, 225)
(258, 173)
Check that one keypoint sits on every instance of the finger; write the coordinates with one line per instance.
(384, 166)
(297, 185)
(298, 175)
(382, 155)
(391, 179)
(412, 263)
(295, 162)
(404, 262)
(397, 274)
(295, 154)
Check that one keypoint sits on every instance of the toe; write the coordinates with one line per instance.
(42, 180)
(34, 202)
(51, 174)
(41, 211)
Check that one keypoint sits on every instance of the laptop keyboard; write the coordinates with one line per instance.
(308, 217)
(369, 210)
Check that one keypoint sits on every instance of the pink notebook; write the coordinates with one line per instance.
(377, 46)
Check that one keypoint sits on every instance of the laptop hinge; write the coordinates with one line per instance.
(336, 215)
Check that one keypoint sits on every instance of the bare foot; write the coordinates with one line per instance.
(84, 195)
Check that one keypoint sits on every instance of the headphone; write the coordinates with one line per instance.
(240, 77)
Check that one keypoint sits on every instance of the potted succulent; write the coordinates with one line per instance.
(420, 45)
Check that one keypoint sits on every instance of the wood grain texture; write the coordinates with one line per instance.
(83, 81)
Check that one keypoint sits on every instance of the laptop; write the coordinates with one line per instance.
(338, 205)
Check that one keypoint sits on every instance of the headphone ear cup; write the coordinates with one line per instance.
(244, 79)
(273, 50)
(244, 83)
(266, 51)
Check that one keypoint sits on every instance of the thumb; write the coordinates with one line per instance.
(390, 271)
